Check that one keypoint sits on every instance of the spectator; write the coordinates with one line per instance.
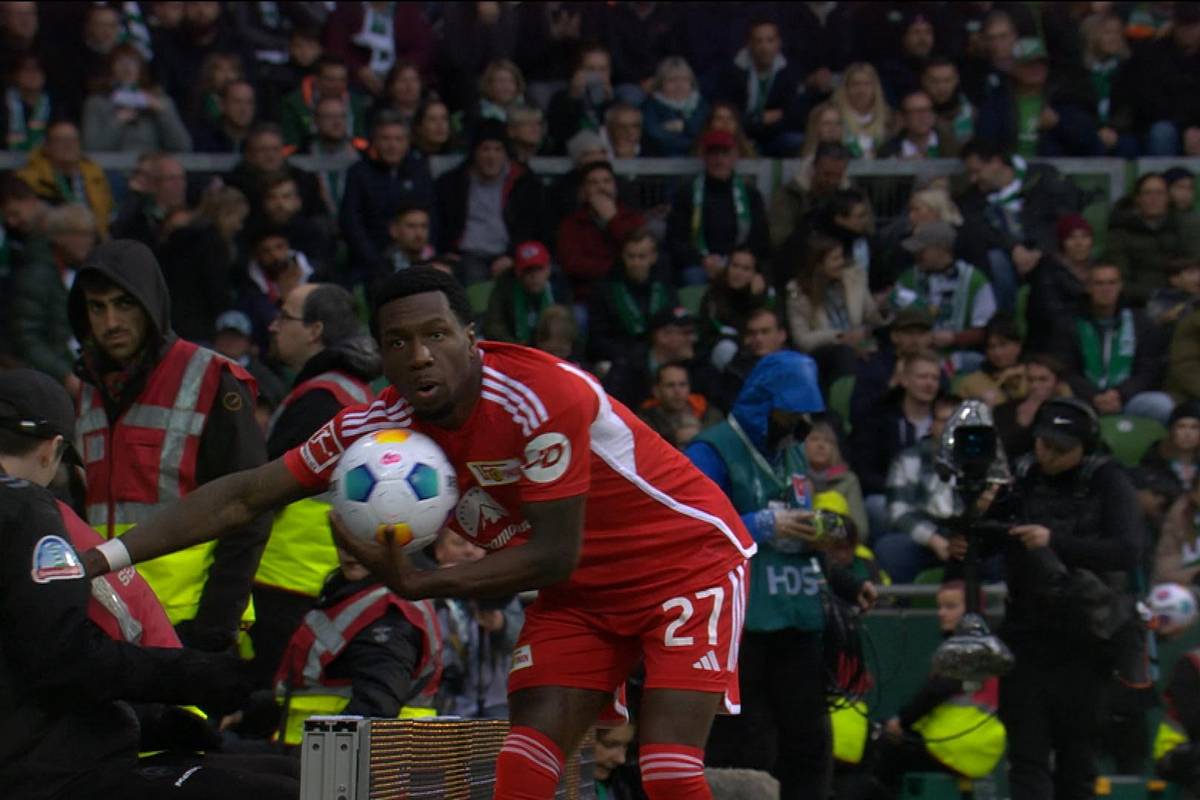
(591, 239)
(932, 204)
(557, 333)
(403, 91)
(157, 189)
(1175, 558)
(27, 108)
(1167, 77)
(960, 293)
(333, 139)
(1106, 58)
(901, 73)
(846, 217)
(622, 131)
(920, 504)
(622, 307)
(562, 198)
(409, 233)
(24, 216)
(910, 333)
(475, 36)
(1032, 117)
(1181, 187)
(725, 117)
(738, 291)
(205, 30)
(432, 135)
(132, 114)
(371, 37)
(197, 263)
(90, 65)
(1002, 376)
(829, 472)
(234, 340)
(671, 333)
(267, 30)
(811, 189)
(1183, 371)
(19, 31)
(1113, 355)
(392, 175)
(1044, 379)
(955, 114)
(273, 270)
(988, 65)
(762, 335)
(1145, 234)
(715, 213)
(765, 89)
(312, 236)
(1056, 285)
(58, 172)
(824, 126)
(582, 104)
(866, 118)
(1012, 209)
(298, 116)
(216, 73)
(640, 37)
(899, 418)
(613, 776)
(38, 321)
(501, 87)
(549, 34)
(1169, 468)
(919, 137)
(822, 43)
(232, 127)
(521, 296)
(526, 132)
(262, 159)
(830, 310)
(1179, 297)
(674, 412)
(486, 205)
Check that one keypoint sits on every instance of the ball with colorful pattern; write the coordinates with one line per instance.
(396, 482)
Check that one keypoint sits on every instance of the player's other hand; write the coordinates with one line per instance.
(795, 524)
(385, 560)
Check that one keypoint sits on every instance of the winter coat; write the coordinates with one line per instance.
(521, 200)
(1144, 251)
(38, 320)
(160, 130)
(809, 325)
(374, 193)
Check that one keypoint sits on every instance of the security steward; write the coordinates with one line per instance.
(757, 457)
(1079, 526)
(159, 416)
(317, 334)
(67, 726)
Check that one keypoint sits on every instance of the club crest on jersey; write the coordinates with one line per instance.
(547, 458)
(322, 450)
(477, 509)
(495, 473)
(54, 560)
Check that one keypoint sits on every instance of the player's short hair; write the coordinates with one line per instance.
(419, 280)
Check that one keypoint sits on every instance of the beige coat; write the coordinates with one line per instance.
(1177, 559)
(809, 324)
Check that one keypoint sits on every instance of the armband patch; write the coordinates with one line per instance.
(55, 560)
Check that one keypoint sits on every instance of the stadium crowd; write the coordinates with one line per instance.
(1007, 283)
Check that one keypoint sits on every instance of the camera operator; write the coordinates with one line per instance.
(1070, 556)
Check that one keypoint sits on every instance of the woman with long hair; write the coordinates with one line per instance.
(403, 90)
(501, 87)
(132, 113)
(726, 117)
(432, 128)
(866, 117)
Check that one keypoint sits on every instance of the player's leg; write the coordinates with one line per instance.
(673, 729)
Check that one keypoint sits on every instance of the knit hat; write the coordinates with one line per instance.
(1069, 223)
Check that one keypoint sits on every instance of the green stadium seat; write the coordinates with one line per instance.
(690, 297)
(931, 786)
(1130, 437)
(933, 576)
(479, 294)
(839, 398)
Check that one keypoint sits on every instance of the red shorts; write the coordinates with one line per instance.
(689, 641)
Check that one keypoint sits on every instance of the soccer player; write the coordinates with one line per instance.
(638, 556)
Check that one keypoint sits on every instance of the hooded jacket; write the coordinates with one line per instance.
(231, 440)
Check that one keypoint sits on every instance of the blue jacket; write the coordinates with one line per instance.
(662, 142)
(785, 380)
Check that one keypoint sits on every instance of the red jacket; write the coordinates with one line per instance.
(587, 252)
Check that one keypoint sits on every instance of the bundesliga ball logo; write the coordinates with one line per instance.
(396, 481)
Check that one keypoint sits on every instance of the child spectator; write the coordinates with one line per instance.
(1044, 379)
(616, 780)
(675, 112)
(866, 118)
(521, 295)
(1002, 376)
(829, 472)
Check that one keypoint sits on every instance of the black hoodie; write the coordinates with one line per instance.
(231, 440)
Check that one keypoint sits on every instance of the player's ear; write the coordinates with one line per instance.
(472, 338)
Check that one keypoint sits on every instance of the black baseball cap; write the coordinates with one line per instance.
(677, 316)
(1065, 423)
(34, 404)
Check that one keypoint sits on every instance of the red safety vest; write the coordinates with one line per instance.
(147, 459)
(347, 389)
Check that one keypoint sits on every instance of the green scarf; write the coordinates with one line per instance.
(741, 207)
(1102, 77)
(633, 321)
(1104, 365)
(963, 124)
(1029, 114)
(26, 133)
(524, 322)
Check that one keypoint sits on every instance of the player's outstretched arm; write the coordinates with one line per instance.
(221, 506)
(548, 557)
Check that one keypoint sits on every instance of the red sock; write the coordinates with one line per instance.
(529, 766)
(673, 772)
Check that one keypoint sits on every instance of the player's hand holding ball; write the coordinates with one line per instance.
(385, 559)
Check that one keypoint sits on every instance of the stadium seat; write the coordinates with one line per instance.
(479, 294)
(932, 786)
(839, 398)
(1122, 787)
(933, 576)
(1128, 438)
(690, 297)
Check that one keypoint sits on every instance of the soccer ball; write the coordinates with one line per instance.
(395, 480)
(1173, 607)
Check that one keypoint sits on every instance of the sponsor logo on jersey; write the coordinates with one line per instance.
(54, 560)
(547, 458)
(322, 450)
(522, 658)
(495, 473)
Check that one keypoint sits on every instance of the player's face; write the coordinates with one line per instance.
(429, 356)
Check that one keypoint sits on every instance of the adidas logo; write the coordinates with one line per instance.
(709, 663)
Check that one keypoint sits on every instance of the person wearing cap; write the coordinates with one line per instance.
(1071, 509)
(234, 339)
(714, 213)
(1167, 104)
(522, 294)
(87, 665)
(392, 174)
(590, 238)
(318, 336)
(487, 205)
(1145, 234)
(1112, 352)
(140, 380)
(1168, 470)
(1035, 116)
(757, 458)
(766, 88)
(958, 294)
(911, 332)
(1056, 284)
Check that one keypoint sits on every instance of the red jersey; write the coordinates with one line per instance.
(545, 430)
